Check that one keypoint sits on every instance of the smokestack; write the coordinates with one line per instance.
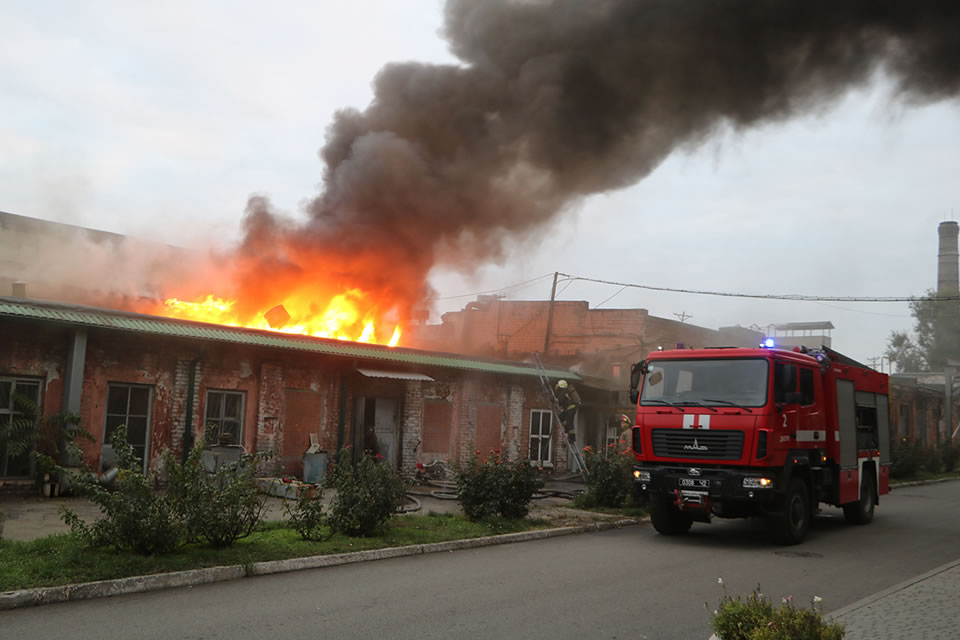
(948, 278)
(20, 288)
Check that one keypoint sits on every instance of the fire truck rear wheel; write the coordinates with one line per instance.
(861, 511)
(790, 526)
(667, 519)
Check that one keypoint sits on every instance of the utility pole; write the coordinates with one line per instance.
(683, 316)
(553, 299)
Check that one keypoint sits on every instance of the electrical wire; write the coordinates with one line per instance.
(766, 296)
(480, 293)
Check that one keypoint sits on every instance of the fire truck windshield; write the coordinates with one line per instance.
(733, 381)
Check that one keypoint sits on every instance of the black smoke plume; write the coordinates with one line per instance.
(559, 99)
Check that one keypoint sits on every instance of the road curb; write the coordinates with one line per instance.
(918, 483)
(859, 604)
(156, 582)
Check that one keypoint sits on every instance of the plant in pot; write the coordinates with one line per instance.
(51, 441)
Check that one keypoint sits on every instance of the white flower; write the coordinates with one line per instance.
(817, 599)
(720, 581)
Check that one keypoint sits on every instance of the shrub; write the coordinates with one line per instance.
(755, 618)
(216, 508)
(307, 516)
(931, 459)
(368, 495)
(950, 454)
(496, 486)
(906, 458)
(609, 476)
(135, 517)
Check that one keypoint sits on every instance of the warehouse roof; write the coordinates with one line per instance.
(78, 315)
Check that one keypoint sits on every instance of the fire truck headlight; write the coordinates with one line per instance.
(757, 483)
(642, 476)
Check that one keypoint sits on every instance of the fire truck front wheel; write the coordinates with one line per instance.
(666, 518)
(791, 523)
(861, 511)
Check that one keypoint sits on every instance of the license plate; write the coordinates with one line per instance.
(699, 483)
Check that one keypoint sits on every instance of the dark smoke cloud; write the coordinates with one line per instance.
(559, 99)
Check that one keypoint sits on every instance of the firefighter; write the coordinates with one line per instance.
(626, 423)
(569, 401)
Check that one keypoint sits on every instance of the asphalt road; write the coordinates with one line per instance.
(627, 583)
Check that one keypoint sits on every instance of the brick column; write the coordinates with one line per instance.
(411, 426)
(270, 409)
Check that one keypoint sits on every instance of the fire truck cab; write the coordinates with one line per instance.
(735, 432)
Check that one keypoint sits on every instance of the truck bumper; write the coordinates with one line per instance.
(706, 491)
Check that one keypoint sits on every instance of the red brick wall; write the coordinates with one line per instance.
(437, 426)
(489, 420)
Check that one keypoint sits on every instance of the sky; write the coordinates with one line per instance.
(160, 120)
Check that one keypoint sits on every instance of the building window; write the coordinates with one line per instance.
(10, 408)
(541, 423)
(224, 416)
(129, 404)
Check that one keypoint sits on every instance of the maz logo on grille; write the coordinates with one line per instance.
(715, 444)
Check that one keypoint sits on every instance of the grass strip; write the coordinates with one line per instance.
(62, 559)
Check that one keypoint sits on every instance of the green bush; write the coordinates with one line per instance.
(307, 516)
(496, 486)
(135, 518)
(368, 495)
(609, 477)
(215, 508)
(755, 618)
(931, 459)
(950, 455)
(906, 458)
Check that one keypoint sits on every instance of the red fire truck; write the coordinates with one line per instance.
(734, 432)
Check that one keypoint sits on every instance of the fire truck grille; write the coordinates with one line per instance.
(698, 443)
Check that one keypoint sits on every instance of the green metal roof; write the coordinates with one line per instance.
(156, 325)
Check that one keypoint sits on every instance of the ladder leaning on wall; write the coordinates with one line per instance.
(555, 409)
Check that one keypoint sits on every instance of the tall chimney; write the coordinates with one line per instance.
(948, 279)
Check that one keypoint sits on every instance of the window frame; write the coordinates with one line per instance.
(545, 417)
(148, 428)
(242, 395)
(9, 411)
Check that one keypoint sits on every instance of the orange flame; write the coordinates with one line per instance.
(347, 316)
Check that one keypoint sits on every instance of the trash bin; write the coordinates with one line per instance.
(315, 467)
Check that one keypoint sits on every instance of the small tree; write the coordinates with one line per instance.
(135, 518)
(936, 336)
(496, 487)
(216, 508)
(368, 494)
(609, 476)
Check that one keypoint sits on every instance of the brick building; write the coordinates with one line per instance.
(598, 344)
(174, 383)
(917, 403)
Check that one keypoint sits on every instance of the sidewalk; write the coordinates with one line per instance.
(31, 517)
(923, 608)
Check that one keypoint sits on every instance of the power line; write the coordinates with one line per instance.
(480, 293)
(766, 296)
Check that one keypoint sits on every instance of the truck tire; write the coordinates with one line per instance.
(667, 519)
(861, 511)
(790, 526)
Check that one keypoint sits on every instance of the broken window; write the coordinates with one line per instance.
(224, 421)
(541, 423)
(10, 409)
(128, 404)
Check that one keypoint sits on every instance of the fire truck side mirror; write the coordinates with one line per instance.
(637, 369)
